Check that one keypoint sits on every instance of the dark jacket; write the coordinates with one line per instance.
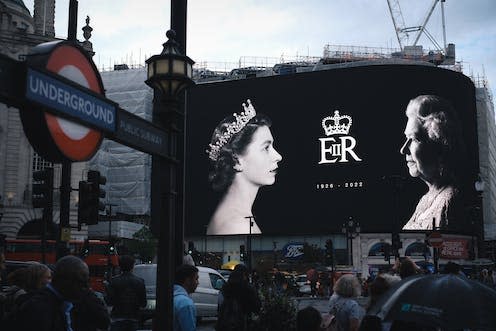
(240, 300)
(42, 311)
(126, 293)
(245, 294)
(90, 313)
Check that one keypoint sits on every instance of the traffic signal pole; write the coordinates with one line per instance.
(43, 198)
(65, 196)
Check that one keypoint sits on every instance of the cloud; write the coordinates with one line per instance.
(226, 30)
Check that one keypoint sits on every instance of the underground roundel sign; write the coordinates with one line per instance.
(59, 139)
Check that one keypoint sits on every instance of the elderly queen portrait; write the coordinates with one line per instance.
(434, 153)
(243, 159)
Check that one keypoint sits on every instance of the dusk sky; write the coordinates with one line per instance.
(225, 31)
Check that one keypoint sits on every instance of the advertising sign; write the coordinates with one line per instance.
(454, 248)
(293, 251)
(302, 153)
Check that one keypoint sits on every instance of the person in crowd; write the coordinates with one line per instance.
(244, 159)
(50, 308)
(186, 282)
(434, 153)
(90, 313)
(343, 304)
(405, 267)
(312, 277)
(377, 288)
(308, 319)
(240, 301)
(23, 281)
(127, 294)
(486, 278)
(280, 283)
(453, 268)
(38, 276)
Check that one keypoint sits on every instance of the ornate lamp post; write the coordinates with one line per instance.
(477, 219)
(351, 229)
(169, 73)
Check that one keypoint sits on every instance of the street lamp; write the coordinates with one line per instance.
(169, 73)
(351, 229)
(250, 220)
(477, 225)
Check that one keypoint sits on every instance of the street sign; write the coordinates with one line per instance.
(140, 134)
(72, 101)
(60, 102)
(58, 139)
(435, 239)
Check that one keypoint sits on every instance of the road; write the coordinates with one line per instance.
(321, 304)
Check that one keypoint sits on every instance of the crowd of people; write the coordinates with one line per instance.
(40, 298)
(44, 299)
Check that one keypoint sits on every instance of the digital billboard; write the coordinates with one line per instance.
(391, 146)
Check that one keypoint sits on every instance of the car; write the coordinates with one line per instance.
(205, 297)
(225, 273)
(303, 284)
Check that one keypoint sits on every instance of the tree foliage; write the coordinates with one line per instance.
(144, 244)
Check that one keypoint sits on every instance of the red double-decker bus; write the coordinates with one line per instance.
(99, 255)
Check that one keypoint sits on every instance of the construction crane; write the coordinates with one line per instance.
(402, 31)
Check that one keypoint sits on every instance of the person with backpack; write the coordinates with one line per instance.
(240, 301)
(186, 282)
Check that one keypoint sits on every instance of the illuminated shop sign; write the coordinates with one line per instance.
(293, 251)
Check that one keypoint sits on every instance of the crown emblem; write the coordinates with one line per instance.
(239, 123)
(337, 124)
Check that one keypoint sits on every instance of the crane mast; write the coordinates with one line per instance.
(402, 30)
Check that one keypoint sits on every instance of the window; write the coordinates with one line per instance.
(40, 163)
(216, 281)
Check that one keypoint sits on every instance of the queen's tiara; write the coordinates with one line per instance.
(241, 120)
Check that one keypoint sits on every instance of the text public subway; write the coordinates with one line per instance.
(76, 102)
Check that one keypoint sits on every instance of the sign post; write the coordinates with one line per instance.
(435, 239)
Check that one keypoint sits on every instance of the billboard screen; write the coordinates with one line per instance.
(333, 144)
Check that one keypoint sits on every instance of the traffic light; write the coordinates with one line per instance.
(95, 180)
(42, 188)
(90, 193)
(387, 252)
(84, 205)
(396, 241)
(242, 252)
(329, 252)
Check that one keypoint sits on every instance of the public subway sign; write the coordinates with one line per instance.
(69, 100)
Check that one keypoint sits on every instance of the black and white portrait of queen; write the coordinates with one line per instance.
(434, 152)
(243, 159)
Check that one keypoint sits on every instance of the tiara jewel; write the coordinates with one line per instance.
(241, 120)
(337, 124)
